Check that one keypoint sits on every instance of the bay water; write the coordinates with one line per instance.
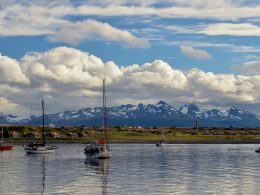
(134, 169)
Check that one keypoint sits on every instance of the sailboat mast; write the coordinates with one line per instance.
(2, 136)
(2, 129)
(43, 133)
(105, 128)
(104, 108)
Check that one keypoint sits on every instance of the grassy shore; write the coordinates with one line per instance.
(146, 141)
(172, 135)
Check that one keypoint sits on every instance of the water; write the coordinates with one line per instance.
(134, 169)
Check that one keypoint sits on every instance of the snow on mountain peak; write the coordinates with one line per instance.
(160, 114)
(162, 103)
(191, 109)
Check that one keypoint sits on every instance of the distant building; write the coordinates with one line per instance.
(52, 135)
(14, 134)
(86, 128)
(82, 134)
(32, 135)
(71, 135)
(67, 127)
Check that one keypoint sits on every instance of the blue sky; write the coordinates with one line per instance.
(175, 50)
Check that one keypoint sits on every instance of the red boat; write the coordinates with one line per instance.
(6, 147)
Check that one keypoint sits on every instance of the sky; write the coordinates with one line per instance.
(179, 51)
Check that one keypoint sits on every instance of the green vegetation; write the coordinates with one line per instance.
(138, 135)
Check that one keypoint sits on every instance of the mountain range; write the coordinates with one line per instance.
(151, 115)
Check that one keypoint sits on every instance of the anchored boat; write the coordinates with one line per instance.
(3, 146)
(40, 148)
(100, 148)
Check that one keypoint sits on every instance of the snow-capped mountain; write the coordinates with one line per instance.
(158, 115)
(190, 109)
(236, 114)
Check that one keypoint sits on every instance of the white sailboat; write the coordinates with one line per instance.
(100, 148)
(40, 148)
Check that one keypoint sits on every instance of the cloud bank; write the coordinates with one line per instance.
(218, 29)
(57, 19)
(53, 20)
(209, 9)
(74, 33)
(69, 79)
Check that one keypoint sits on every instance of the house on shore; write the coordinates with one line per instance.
(71, 135)
(32, 135)
(15, 134)
(81, 134)
(53, 135)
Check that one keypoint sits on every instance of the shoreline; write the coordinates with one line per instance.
(23, 142)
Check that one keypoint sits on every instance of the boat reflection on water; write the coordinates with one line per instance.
(43, 174)
(101, 166)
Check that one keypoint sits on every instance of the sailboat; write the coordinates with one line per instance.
(100, 148)
(3, 146)
(40, 148)
(162, 141)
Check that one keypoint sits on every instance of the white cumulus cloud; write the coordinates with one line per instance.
(11, 72)
(69, 79)
(51, 20)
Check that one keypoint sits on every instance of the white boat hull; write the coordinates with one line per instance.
(105, 154)
(97, 151)
(100, 155)
(160, 144)
(39, 150)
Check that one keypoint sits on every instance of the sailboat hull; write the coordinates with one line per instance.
(35, 148)
(96, 151)
(159, 144)
(7, 147)
(102, 155)
(39, 150)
